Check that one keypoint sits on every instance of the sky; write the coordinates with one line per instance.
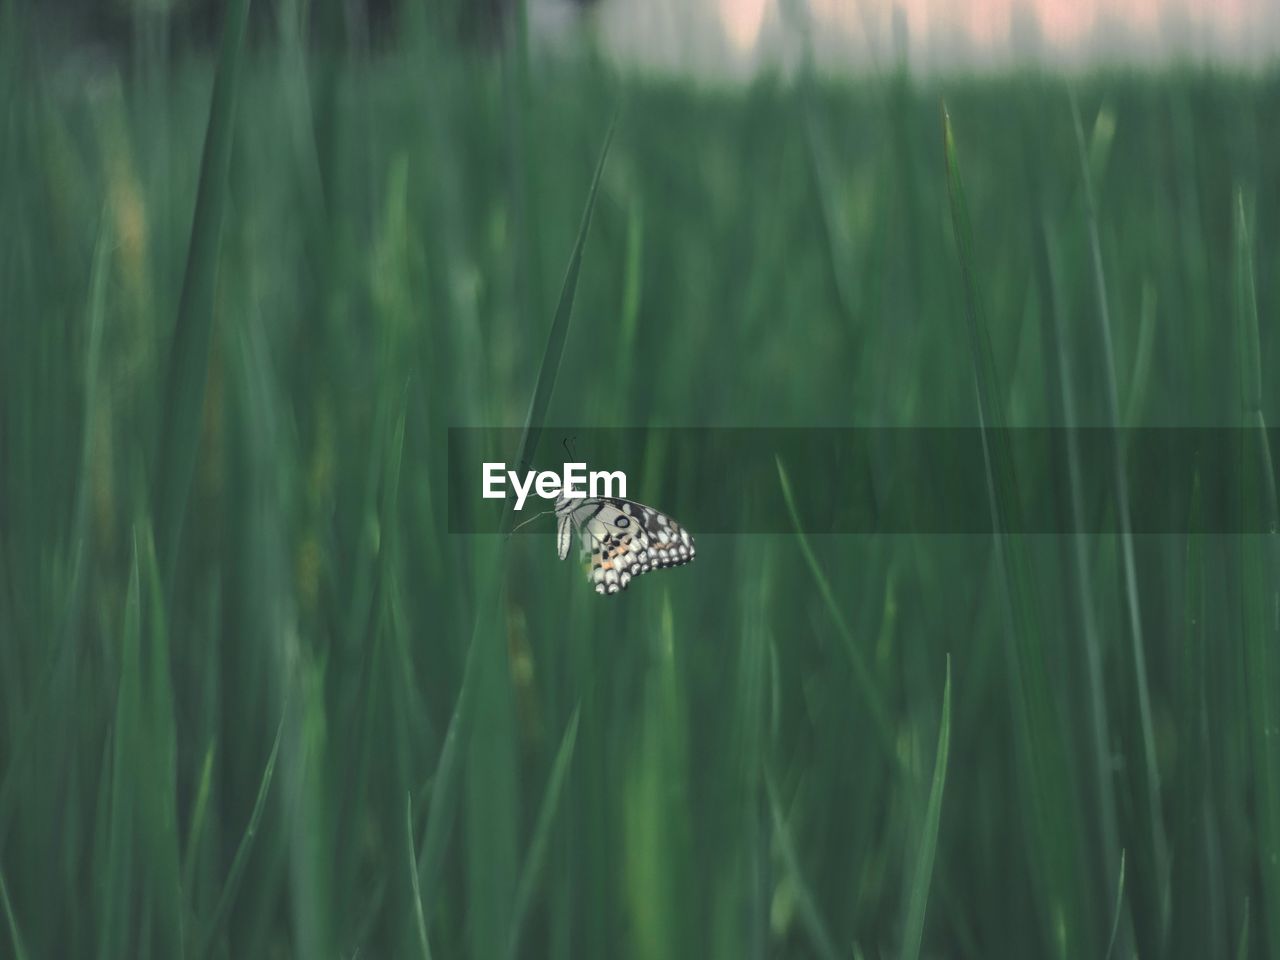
(739, 36)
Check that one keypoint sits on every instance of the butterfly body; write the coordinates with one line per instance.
(620, 539)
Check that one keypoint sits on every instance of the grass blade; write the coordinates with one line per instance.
(121, 835)
(413, 881)
(189, 354)
(79, 534)
(226, 900)
(1117, 913)
(834, 223)
(1052, 813)
(1190, 883)
(444, 789)
(1064, 411)
(1140, 379)
(1242, 946)
(810, 916)
(559, 331)
(199, 812)
(19, 951)
(491, 784)
(444, 793)
(1259, 591)
(861, 671)
(920, 881)
(542, 834)
(157, 774)
(1148, 774)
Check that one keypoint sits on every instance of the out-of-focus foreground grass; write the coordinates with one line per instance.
(233, 746)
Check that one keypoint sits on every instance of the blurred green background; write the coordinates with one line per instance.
(256, 701)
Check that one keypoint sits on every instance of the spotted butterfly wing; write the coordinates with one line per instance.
(622, 539)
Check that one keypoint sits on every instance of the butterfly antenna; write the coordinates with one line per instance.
(524, 523)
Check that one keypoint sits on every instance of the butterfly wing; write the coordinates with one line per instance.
(622, 539)
(564, 534)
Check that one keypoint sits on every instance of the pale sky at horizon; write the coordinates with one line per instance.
(739, 35)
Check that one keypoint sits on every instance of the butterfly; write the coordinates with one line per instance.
(621, 539)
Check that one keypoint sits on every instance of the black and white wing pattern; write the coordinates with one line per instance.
(622, 539)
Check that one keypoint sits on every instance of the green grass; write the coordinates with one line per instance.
(922, 877)
(232, 737)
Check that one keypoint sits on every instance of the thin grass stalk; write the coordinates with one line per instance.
(117, 868)
(235, 876)
(1040, 741)
(1118, 913)
(531, 873)
(491, 788)
(381, 508)
(445, 792)
(1139, 381)
(1099, 721)
(1148, 772)
(26, 739)
(754, 707)
(15, 934)
(420, 923)
(857, 659)
(517, 96)
(839, 259)
(1242, 941)
(1190, 886)
(158, 750)
(559, 332)
(918, 898)
(188, 365)
(1260, 589)
(195, 828)
(811, 917)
